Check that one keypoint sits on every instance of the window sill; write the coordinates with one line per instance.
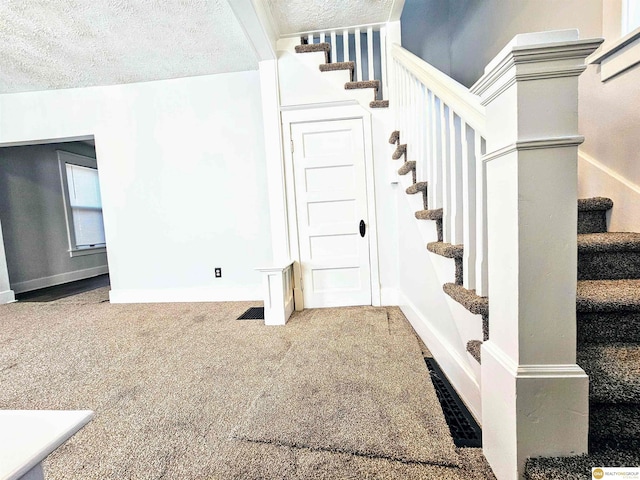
(80, 252)
(619, 56)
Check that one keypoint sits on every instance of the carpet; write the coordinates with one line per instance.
(174, 385)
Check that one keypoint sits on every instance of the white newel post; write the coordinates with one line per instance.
(6, 294)
(277, 284)
(534, 396)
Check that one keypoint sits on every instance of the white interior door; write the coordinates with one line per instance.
(331, 201)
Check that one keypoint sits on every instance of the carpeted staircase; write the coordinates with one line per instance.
(608, 330)
(350, 66)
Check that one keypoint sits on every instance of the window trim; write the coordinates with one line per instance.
(65, 158)
(620, 51)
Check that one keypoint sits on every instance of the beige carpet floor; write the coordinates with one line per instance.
(185, 391)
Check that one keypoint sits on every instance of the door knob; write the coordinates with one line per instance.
(363, 228)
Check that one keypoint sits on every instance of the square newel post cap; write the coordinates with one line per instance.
(535, 56)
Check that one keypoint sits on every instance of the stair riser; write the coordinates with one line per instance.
(608, 265)
(612, 425)
(459, 274)
(608, 327)
(614, 373)
(594, 221)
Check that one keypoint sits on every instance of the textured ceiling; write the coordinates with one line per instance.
(48, 44)
(295, 16)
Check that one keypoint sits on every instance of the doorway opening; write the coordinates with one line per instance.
(51, 216)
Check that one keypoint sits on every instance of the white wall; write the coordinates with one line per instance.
(182, 176)
(33, 218)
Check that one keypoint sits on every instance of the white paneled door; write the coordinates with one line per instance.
(331, 207)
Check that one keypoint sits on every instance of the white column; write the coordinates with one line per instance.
(275, 166)
(534, 396)
(6, 294)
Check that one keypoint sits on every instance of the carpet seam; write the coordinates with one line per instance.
(353, 453)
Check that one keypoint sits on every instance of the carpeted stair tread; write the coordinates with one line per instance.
(446, 249)
(362, 84)
(407, 167)
(400, 151)
(435, 214)
(313, 47)
(608, 295)
(379, 104)
(592, 214)
(330, 67)
(609, 242)
(579, 466)
(395, 136)
(614, 372)
(608, 256)
(473, 347)
(594, 203)
(417, 188)
(467, 298)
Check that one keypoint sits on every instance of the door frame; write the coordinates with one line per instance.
(319, 114)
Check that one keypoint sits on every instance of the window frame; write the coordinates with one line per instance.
(65, 158)
(621, 49)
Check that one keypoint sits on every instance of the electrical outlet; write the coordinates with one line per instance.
(218, 272)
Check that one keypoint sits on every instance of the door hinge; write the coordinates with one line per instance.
(291, 146)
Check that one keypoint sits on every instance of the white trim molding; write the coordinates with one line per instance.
(197, 294)
(59, 279)
(618, 56)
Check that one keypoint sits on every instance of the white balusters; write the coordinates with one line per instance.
(467, 137)
(345, 46)
(482, 272)
(383, 59)
(455, 171)
(370, 75)
(358, 55)
(334, 47)
(322, 37)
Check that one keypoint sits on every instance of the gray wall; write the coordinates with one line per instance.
(426, 30)
(32, 214)
(481, 28)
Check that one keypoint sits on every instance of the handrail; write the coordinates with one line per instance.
(454, 94)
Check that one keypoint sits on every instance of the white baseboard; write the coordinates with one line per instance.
(8, 296)
(609, 171)
(456, 368)
(389, 297)
(198, 294)
(44, 282)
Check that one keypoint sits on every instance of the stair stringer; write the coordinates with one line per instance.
(443, 325)
(302, 85)
(297, 87)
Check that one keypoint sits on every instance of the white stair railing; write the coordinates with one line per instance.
(522, 188)
(362, 44)
(443, 125)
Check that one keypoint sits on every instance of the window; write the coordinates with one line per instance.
(630, 15)
(83, 205)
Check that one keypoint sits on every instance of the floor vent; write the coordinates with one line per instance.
(463, 427)
(254, 313)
